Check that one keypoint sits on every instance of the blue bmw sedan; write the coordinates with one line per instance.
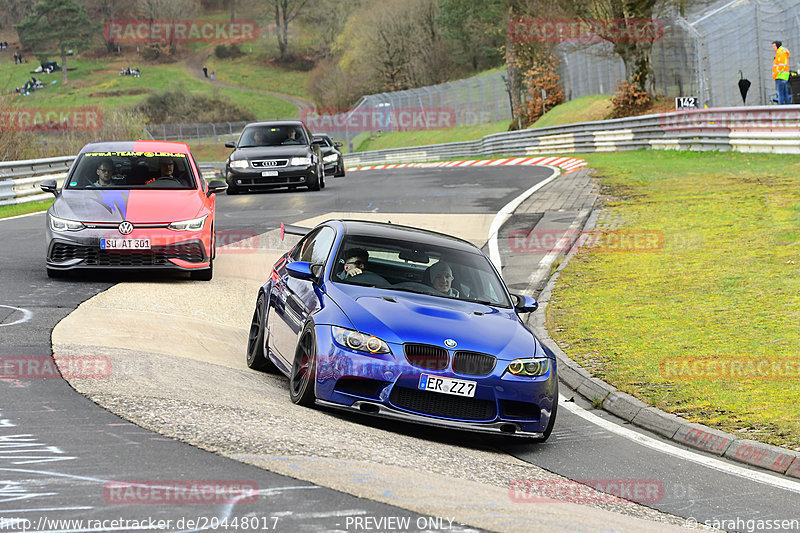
(406, 324)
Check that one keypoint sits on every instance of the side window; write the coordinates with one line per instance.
(316, 247)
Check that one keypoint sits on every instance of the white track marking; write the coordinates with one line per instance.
(26, 315)
(681, 453)
(504, 213)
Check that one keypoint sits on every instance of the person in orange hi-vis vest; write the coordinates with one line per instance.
(780, 72)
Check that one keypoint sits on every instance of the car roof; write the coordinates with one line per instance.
(276, 123)
(137, 146)
(406, 233)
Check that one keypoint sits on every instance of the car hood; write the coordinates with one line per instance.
(260, 152)
(400, 317)
(137, 206)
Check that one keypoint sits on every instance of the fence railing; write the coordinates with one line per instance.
(20, 180)
(765, 129)
(209, 133)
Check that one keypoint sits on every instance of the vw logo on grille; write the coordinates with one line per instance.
(450, 343)
(125, 228)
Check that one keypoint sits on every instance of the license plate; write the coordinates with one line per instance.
(124, 244)
(456, 387)
(269, 173)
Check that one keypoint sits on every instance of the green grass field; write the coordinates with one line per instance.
(399, 139)
(98, 83)
(725, 286)
(585, 109)
(244, 72)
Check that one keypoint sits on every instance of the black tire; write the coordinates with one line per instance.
(313, 185)
(304, 369)
(231, 190)
(256, 358)
(552, 422)
(339, 170)
(52, 273)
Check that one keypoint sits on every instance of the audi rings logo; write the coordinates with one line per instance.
(270, 163)
(125, 228)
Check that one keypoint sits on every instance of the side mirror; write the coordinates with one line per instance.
(303, 270)
(50, 186)
(524, 304)
(337, 144)
(230, 144)
(216, 186)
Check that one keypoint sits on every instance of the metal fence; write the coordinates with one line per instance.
(703, 53)
(201, 133)
(465, 102)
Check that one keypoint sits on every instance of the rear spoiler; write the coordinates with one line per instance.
(293, 230)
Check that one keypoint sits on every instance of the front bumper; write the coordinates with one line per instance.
(387, 386)
(169, 250)
(254, 179)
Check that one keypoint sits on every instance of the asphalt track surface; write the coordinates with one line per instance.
(58, 450)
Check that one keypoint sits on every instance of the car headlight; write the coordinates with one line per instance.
(240, 164)
(360, 342)
(300, 161)
(189, 225)
(532, 367)
(330, 158)
(62, 224)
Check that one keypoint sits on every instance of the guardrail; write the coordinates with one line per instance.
(766, 129)
(774, 129)
(20, 180)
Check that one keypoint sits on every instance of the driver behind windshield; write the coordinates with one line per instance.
(356, 262)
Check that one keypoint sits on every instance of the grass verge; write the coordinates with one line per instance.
(723, 287)
(400, 139)
(23, 209)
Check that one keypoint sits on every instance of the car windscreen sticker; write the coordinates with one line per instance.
(73, 183)
(134, 154)
(113, 200)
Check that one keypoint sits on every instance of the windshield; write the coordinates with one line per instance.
(133, 170)
(402, 266)
(272, 136)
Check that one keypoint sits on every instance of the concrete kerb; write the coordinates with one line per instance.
(633, 410)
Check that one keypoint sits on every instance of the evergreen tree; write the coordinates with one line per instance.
(61, 25)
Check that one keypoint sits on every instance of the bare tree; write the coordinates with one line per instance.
(168, 10)
(285, 12)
